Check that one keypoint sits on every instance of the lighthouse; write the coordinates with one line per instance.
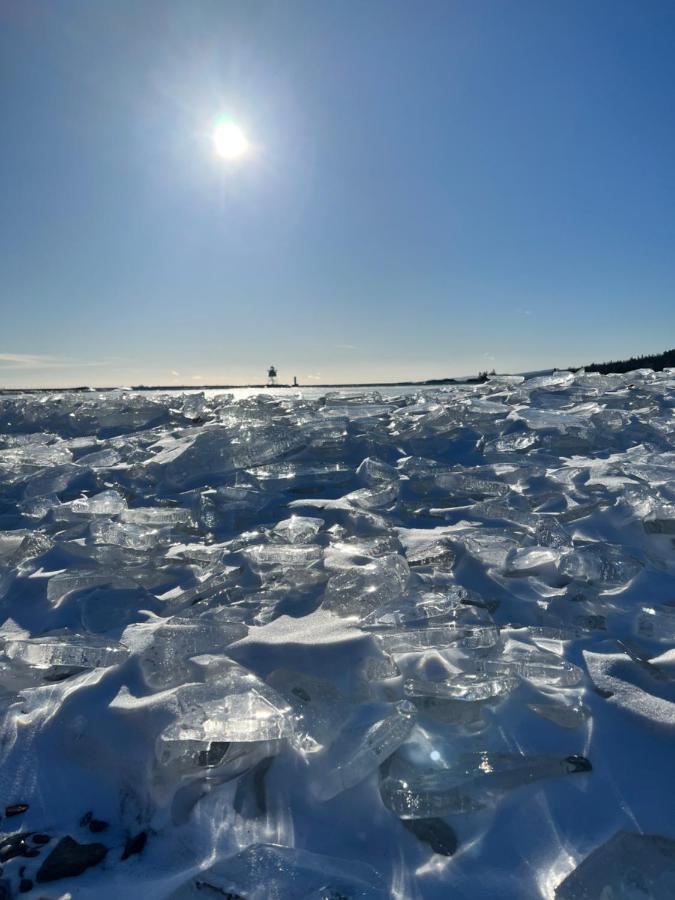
(271, 377)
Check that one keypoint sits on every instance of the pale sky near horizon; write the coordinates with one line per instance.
(431, 188)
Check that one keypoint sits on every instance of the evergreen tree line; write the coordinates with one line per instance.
(657, 362)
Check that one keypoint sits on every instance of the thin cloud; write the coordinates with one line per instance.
(346, 347)
(25, 361)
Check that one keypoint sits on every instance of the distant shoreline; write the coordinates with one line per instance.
(226, 387)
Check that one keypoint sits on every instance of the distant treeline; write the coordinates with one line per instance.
(657, 362)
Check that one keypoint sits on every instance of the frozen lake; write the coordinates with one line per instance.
(408, 643)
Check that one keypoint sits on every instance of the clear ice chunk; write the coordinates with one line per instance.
(472, 782)
(433, 553)
(64, 583)
(107, 503)
(356, 755)
(628, 866)
(158, 516)
(287, 555)
(272, 872)
(464, 686)
(566, 715)
(60, 653)
(165, 661)
(537, 666)
(133, 537)
(604, 565)
(298, 529)
(232, 706)
(425, 608)
(657, 623)
(361, 589)
(321, 709)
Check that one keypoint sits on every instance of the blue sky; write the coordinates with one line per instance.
(433, 188)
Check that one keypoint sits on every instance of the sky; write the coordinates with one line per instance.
(431, 188)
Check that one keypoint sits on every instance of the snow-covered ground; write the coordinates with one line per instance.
(294, 645)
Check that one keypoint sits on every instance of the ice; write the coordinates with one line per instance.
(352, 759)
(628, 866)
(470, 688)
(455, 634)
(175, 642)
(298, 529)
(225, 618)
(271, 872)
(158, 516)
(435, 553)
(107, 503)
(290, 555)
(362, 589)
(321, 709)
(232, 706)
(99, 459)
(566, 715)
(134, 537)
(474, 781)
(657, 623)
(427, 607)
(604, 565)
(538, 666)
(60, 653)
(661, 520)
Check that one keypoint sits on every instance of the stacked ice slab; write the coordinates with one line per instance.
(337, 635)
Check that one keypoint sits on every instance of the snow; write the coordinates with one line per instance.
(299, 640)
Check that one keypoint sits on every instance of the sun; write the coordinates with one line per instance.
(229, 140)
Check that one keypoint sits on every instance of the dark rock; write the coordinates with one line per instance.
(15, 809)
(94, 825)
(5, 891)
(25, 885)
(14, 845)
(135, 844)
(40, 838)
(69, 858)
(435, 832)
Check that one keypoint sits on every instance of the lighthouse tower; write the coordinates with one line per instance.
(271, 377)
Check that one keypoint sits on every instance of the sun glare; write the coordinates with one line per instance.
(230, 141)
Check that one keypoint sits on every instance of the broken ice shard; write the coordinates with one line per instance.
(465, 686)
(290, 555)
(64, 583)
(566, 715)
(538, 666)
(357, 754)
(627, 867)
(298, 529)
(165, 661)
(661, 520)
(272, 872)
(106, 503)
(454, 634)
(475, 780)
(321, 709)
(604, 565)
(361, 589)
(657, 623)
(158, 516)
(234, 706)
(122, 534)
(59, 653)
(425, 608)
